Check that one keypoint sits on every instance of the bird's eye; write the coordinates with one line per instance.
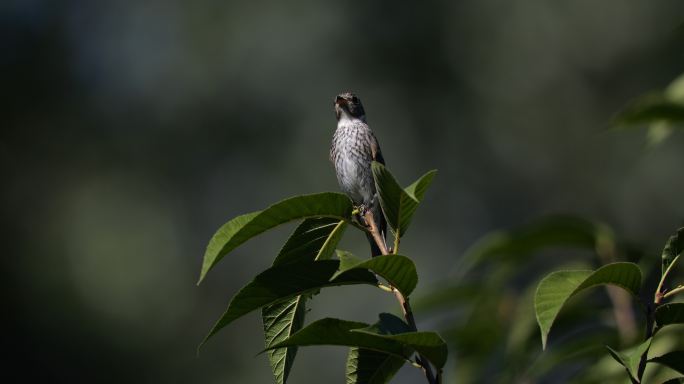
(355, 99)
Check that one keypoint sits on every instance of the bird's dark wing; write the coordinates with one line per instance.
(375, 151)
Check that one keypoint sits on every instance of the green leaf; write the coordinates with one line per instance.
(658, 131)
(313, 239)
(667, 106)
(663, 112)
(651, 108)
(547, 232)
(556, 288)
(675, 380)
(352, 334)
(365, 366)
(667, 314)
(428, 344)
(388, 324)
(286, 281)
(674, 360)
(399, 204)
(390, 195)
(398, 270)
(673, 248)
(348, 260)
(329, 331)
(281, 320)
(242, 228)
(630, 360)
(419, 187)
(675, 91)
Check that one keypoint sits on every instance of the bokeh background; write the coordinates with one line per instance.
(131, 130)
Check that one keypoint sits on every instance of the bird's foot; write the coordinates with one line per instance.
(359, 210)
(360, 213)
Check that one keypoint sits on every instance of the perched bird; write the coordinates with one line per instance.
(354, 147)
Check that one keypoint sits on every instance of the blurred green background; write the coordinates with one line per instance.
(133, 129)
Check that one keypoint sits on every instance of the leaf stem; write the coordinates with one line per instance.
(673, 292)
(403, 301)
(659, 294)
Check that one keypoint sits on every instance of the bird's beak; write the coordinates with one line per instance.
(340, 100)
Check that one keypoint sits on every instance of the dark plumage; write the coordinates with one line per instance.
(354, 147)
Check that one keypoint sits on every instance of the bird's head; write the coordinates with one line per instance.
(347, 105)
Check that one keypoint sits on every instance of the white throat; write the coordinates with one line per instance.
(346, 118)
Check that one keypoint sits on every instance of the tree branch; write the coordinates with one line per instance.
(403, 301)
(673, 292)
(375, 232)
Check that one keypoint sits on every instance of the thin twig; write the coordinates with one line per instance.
(403, 301)
(375, 232)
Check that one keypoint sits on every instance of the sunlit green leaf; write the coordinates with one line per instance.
(398, 270)
(399, 204)
(419, 187)
(243, 228)
(556, 288)
(286, 281)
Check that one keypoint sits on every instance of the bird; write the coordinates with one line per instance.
(354, 148)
